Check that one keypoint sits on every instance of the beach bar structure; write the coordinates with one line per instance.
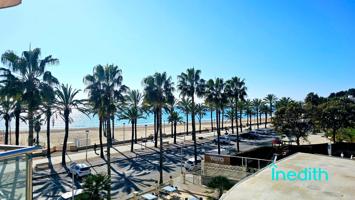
(16, 172)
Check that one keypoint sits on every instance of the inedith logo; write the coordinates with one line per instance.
(306, 174)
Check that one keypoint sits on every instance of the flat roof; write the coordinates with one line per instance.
(340, 184)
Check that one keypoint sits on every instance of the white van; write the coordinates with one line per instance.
(215, 151)
(69, 195)
(190, 164)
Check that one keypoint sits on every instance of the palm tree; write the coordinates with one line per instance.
(185, 105)
(200, 111)
(131, 114)
(191, 84)
(249, 111)
(264, 109)
(66, 101)
(211, 107)
(216, 93)
(30, 70)
(158, 89)
(284, 101)
(94, 185)
(256, 104)
(236, 89)
(174, 118)
(170, 109)
(230, 115)
(48, 103)
(6, 104)
(271, 100)
(132, 111)
(13, 88)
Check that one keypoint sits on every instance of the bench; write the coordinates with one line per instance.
(42, 166)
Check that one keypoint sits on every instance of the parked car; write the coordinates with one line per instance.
(233, 137)
(190, 164)
(80, 169)
(222, 139)
(215, 151)
(69, 195)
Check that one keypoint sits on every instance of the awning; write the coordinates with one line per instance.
(9, 3)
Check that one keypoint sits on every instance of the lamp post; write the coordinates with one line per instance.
(87, 143)
(124, 126)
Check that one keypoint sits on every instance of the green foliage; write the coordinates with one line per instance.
(95, 187)
(336, 114)
(221, 183)
(291, 120)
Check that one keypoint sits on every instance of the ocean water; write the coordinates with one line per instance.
(79, 120)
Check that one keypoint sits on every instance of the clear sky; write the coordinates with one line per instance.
(288, 48)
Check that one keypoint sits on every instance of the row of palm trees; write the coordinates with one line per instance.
(28, 88)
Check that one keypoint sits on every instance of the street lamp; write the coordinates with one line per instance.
(87, 143)
(124, 126)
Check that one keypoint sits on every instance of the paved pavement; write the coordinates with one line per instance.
(131, 171)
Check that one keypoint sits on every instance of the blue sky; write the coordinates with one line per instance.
(288, 48)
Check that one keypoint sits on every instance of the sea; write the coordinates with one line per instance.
(80, 120)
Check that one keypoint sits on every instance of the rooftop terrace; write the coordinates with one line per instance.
(340, 184)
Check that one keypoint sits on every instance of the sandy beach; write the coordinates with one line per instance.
(120, 133)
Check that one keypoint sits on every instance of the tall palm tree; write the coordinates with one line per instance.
(271, 100)
(185, 105)
(256, 104)
(216, 93)
(131, 114)
(236, 89)
(30, 70)
(174, 118)
(264, 109)
(14, 88)
(6, 104)
(230, 115)
(191, 84)
(211, 107)
(200, 111)
(249, 111)
(170, 109)
(66, 101)
(158, 89)
(48, 104)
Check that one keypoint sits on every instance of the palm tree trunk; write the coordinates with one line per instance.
(135, 131)
(105, 128)
(200, 122)
(194, 127)
(161, 148)
(113, 126)
(6, 130)
(30, 126)
(187, 123)
(257, 119)
(265, 119)
(172, 129)
(218, 130)
(250, 123)
(240, 120)
(17, 127)
(236, 115)
(48, 135)
(100, 138)
(66, 120)
(222, 118)
(175, 132)
(232, 120)
(155, 128)
(132, 140)
(211, 119)
(109, 143)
